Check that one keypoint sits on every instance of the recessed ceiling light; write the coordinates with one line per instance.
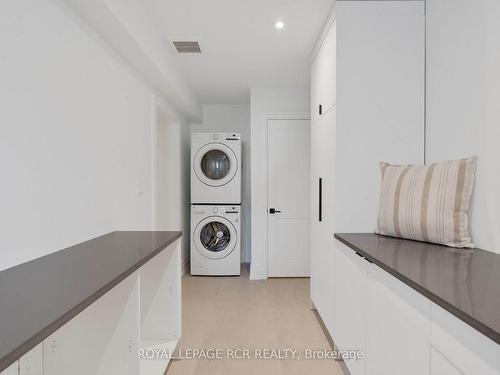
(279, 25)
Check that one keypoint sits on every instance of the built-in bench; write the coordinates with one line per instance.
(91, 308)
(424, 308)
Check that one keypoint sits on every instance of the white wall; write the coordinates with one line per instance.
(463, 96)
(168, 207)
(135, 17)
(75, 136)
(380, 102)
(234, 118)
(186, 191)
(266, 103)
(128, 27)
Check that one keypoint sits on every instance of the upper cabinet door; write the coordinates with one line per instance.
(323, 76)
(328, 70)
(315, 87)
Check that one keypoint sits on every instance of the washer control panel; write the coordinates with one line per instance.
(215, 210)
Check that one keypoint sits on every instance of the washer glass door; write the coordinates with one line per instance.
(215, 237)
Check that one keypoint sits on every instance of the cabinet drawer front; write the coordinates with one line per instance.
(466, 348)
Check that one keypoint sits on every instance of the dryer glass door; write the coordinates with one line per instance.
(215, 164)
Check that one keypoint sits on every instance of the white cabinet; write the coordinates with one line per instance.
(461, 346)
(378, 314)
(102, 340)
(397, 326)
(368, 77)
(11, 370)
(32, 362)
(441, 366)
(160, 308)
(400, 330)
(350, 296)
(142, 311)
(322, 215)
(323, 75)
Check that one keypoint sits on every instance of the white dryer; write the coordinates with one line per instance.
(215, 240)
(216, 168)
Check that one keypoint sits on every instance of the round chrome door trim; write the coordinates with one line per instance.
(233, 164)
(211, 254)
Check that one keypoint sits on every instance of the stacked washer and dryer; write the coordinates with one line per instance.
(215, 204)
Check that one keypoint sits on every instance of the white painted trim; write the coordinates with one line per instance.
(326, 28)
(259, 271)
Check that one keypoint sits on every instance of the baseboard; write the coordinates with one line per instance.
(323, 326)
(257, 272)
(329, 338)
(185, 265)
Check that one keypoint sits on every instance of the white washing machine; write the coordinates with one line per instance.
(216, 168)
(215, 240)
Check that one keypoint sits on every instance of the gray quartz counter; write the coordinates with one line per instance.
(465, 282)
(38, 297)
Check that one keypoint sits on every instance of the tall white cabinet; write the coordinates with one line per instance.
(367, 105)
(323, 118)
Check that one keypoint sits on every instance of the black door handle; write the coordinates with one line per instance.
(320, 200)
(274, 211)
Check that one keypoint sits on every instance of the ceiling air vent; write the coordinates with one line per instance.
(187, 47)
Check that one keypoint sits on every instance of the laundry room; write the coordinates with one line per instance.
(275, 187)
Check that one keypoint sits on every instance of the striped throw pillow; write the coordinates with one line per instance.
(427, 203)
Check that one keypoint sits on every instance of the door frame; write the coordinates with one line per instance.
(258, 265)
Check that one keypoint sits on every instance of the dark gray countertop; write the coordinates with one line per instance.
(465, 282)
(38, 297)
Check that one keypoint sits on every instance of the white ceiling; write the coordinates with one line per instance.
(240, 46)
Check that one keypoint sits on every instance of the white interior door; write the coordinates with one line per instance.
(288, 168)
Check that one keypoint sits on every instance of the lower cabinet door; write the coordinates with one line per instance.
(350, 295)
(322, 215)
(317, 267)
(102, 340)
(462, 346)
(32, 362)
(441, 366)
(323, 276)
(11, 370)
(397, 327)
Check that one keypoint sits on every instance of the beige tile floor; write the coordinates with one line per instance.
(234, 312)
